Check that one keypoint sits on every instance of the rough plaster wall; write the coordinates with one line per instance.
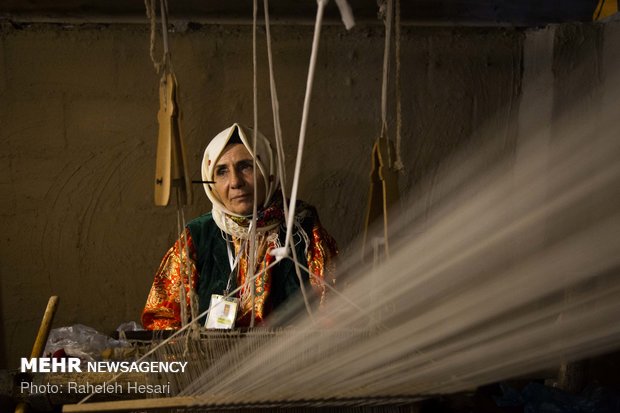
(578, 89)
(77, 143)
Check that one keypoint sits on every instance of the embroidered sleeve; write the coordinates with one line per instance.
(321, 260)
(162, 310)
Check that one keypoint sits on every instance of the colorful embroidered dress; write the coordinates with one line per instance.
(210, 268)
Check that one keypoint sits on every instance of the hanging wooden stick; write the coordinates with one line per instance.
(164, 140)
(170, 166)
(383, 191)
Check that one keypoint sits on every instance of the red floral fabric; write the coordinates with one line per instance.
(163, 311)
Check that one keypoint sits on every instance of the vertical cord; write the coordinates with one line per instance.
(182, 272)
(184, 264)
(151, 14)
(398, 164)
(280, 149)
(276, 112)
(304, 123)
(164, 33)
(193, 297)
(275, 106)
(386, 69)
(290, 211)
(252, 255)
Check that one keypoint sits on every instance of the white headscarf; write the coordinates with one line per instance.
(265, 160)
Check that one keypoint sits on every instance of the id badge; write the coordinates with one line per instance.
(222, 312)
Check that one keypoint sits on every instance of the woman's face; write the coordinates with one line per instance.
(234, 180)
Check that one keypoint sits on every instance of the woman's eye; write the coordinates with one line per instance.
(221, 172)
(246, 167)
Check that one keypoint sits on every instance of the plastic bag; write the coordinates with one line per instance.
(80, 341)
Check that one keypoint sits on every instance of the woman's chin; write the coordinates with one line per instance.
(242, 209)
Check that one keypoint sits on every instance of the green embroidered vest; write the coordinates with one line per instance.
(214, 268)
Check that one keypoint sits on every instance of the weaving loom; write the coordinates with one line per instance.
(470, 302)
(477, 305)
(476, 299)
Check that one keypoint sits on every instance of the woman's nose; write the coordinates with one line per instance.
(236, 179)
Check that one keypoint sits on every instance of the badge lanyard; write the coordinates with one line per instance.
(223, 309)
(233, 263)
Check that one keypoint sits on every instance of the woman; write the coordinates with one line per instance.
(218, 243)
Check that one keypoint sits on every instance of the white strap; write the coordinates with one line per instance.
(280, 253)
(346, 14)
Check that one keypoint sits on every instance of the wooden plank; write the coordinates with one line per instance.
(41, 339)
(136, 404)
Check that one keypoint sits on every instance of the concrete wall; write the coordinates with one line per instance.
(78, 135)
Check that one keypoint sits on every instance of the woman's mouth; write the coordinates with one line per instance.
(241, 197)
